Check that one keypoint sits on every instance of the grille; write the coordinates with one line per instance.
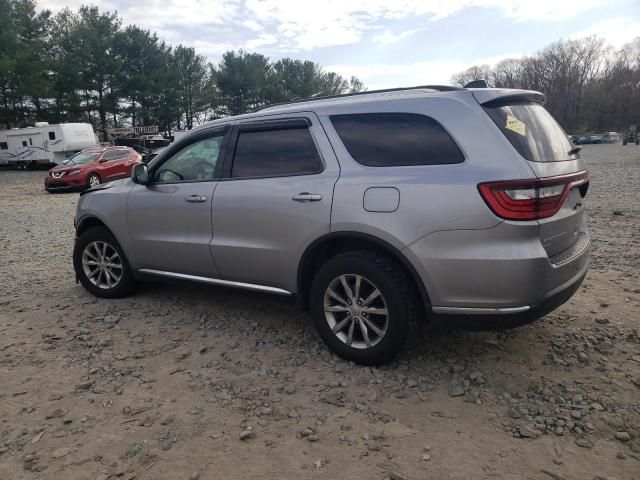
(573, 251)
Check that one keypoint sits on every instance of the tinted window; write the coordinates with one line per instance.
(24, 143)
(85, 157)
(115, 154)
(195, 162)
(4, 146)
(52, 135)
(264, 153)
(532, 131)
(395, 139)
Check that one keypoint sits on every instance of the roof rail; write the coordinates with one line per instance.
(440, 88)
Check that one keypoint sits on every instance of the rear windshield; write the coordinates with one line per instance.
(532, 131)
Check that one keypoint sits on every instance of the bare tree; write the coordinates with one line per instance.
(589, 85)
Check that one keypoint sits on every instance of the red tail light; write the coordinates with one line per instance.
(531, 199)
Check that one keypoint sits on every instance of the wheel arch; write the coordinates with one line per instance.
(333, 243)
(88, 222)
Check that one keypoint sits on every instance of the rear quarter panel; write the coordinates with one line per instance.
(432, 198)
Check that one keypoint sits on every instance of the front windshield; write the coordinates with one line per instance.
(86, 157)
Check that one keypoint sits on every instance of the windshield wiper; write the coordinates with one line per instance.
(574, 150)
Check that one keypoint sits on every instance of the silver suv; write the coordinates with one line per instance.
(462, 206)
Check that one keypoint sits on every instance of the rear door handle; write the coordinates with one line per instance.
(307, 197)
(196, 198)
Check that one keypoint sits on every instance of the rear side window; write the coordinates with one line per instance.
(532, 131)
(396, 139)
(272, 153)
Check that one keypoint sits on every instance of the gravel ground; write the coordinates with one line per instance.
(185, 381)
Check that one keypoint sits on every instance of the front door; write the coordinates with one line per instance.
(170, 218)
(274, 199)
(111, 163)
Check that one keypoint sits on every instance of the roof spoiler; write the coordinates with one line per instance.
(494, 97)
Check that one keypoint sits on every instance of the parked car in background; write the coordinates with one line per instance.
(147, 157)
(91, 167)
(611, 137)
(632, 135)
(595, 139)
(584, 140)
(370, 209)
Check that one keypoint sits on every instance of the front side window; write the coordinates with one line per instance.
(195, 162)
(85, 157)
(273, 153)
(4, 146)
(115, 155)
(395, 139)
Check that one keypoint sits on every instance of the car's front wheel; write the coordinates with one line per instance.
(363, 306)
(93, 180)
(100, 264)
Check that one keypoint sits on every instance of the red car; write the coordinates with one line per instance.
(91, 167)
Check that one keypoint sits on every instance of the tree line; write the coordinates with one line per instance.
(590, 86)
(86, 66)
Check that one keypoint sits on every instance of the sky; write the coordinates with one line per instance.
(386, 43)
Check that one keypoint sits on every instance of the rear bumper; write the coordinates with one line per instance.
(509, 318)
(497, 277)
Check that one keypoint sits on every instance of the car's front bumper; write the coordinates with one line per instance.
(53, 185)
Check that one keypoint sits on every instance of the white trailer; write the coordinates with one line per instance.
(44, 144)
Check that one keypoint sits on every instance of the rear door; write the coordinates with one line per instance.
(274, 199)
(538, 138)
(169, 219)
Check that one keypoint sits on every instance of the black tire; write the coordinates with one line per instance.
(93, 176)
(126, 284)
(398, 294)
(624, 141)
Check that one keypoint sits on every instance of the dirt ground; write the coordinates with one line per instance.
(184, 381)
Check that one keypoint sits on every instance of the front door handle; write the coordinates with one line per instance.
(307, 197)
(196, 198)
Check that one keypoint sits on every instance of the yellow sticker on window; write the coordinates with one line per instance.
(516, 125)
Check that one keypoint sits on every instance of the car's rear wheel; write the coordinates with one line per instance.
(363, 306)
(93, 180)
(100, 264)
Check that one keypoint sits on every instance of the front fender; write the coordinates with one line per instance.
(108, 207)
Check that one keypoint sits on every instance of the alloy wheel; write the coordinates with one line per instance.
(356, 311)
(94, 181)
(102, 264)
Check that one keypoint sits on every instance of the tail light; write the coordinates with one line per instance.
(531, 199)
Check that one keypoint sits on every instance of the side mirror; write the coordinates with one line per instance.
(140, 174)
(102, 160)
